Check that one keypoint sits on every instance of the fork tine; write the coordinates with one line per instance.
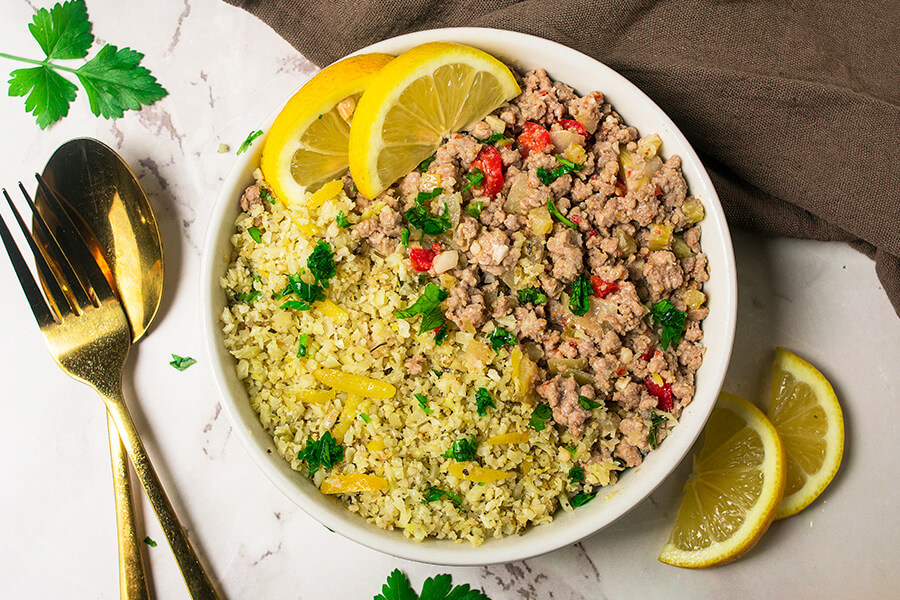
(74, 246)
(54, 293)
(39, 308)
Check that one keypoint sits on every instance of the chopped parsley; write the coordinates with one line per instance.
(419, 217)
(303, 345)
(182, 362)
(576, 474)
(483, 401)
(248, 297)
(670, 320)
(404, 237)
(582, 498)
(423, 166)
(475, 177)
(245, 145)
(656, 420)
(566, 166)
(437, 372)
(474, 209)
(265, 194)
(428, 305)
(494, 138)
(423, 403)
(150, 542)
(580, 302)
(441, 334)
(434, 493)
(341, 220)
(255, 234)
(501, 337)
(439, 587)
(321, 263)
(539, 417)
(587, 404)
(463, 449)
(534, 295)
(325, 453)
(365, 418)
(559, 217)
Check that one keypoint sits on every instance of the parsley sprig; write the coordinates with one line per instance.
(533, 295)
(580, 302)
(419, 216)
(322, 453)
(656, 419)
(501, 337)
(429, 306)
(551, 206)
(670, 320)
(439, 587)
(483, 401)
(539, 417)
(462, 449)
(434, 493)
(113, 79)
(566, 166)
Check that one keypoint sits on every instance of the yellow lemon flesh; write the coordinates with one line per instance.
(413, 103)
(808, 417)
(307, 144)
(734, 490)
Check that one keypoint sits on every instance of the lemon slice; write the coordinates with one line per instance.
(808, 418)
(307, 144)
(414, 102)
(734, 490)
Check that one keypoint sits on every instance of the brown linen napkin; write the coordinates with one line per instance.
(793, 107)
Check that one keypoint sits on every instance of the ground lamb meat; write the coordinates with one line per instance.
(465, 307)
(565, 254)
(662, 272)
(562, 394)
(251, 199)
(381, 233)
(415, 365)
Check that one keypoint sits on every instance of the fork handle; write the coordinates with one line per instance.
(198, 583)
(132, 582)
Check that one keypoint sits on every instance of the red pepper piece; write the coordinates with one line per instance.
(663, 393)
(573, 125)
(649, 353)
(534, 138)
(489, 162)
(421, 258)
(621, 190)
(603, 288)
(436, 247)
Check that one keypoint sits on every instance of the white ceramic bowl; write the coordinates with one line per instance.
(585, 74)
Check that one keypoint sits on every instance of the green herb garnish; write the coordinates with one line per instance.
(423, 403)
(307, 292)
(245, 145)
(475, 177)
(474, 209)
(113, 79)
(555, 212)
(580, 302)
(441, 334)
(150, 542)
(321, 263)
(656, 420)
(670, 320)
(566, 166)
(182, 362)
(255, 234)
(341, 220)
(303, 345)
(576, 474)
(434, 493)
(539, 417)
(483, 401)
(463, 449)
(493, 138)
(439, 587)
(419, 217)
(437, 372)
(582, 498)
(427, 305)
(325, 453)
(248, 297)
(365, 418)
(501, 337)
(266, 195)
(404, 238)
(587, 404)
(423, 166)
(534, 295)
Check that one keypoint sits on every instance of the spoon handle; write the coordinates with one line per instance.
(198, 583)
(132, 582)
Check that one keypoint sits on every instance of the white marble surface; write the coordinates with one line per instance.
(225, 71)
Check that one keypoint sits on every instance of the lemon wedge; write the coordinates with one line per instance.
(414, 102)
(808, 417)
(307, 144)
(734, 490)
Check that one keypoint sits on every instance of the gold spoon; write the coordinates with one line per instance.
(112, 213)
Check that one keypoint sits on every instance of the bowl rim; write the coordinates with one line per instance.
(531, 543)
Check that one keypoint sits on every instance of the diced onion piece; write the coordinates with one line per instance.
(472, 472)
(497, 124)
(348, 414)
(518, 190)
(693, 210)
(680, 248)
(694, 298)
(477, 354)
(563, 365)
(454, 208)
(649, 145)
(325, 193)
(429, 181)
(627, 245)
(575, 153)
(564, 138)
(660, 236)
(314, 396)
(445, 261)
(355, 384)
(539, 221)
(352, 484)
(512, 437)
(637, 171)
(332, 311)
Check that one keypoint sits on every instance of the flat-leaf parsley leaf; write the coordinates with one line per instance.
(463, 449)
(419, 216)
(670, 320)
(580, 302)
(182, 362)
(539, 417)
(434, 493)
(483, 401)
(501, 337)
(325, 453)
(534, 295)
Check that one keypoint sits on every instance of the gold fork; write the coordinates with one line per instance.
(89, 337)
